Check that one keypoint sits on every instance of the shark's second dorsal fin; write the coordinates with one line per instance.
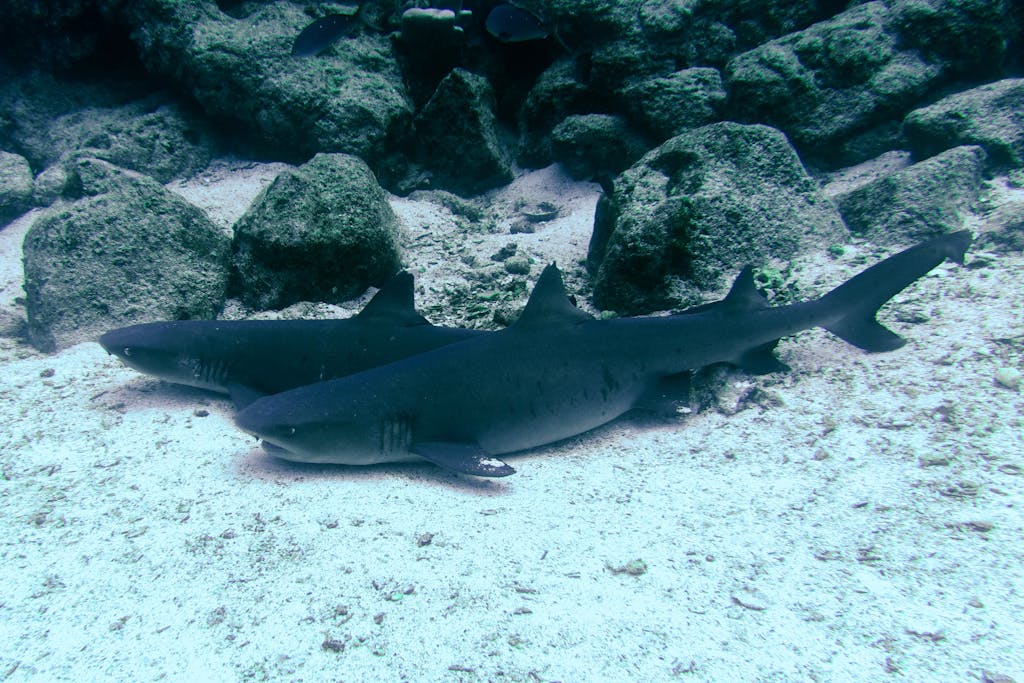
(548, 302)
(743, 296)
(394, 302)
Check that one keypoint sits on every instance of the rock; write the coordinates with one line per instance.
(830, 81)
(124, 251)
(321, 232)
(989, 115)
(696, 209)
(52, 118)
(1003, 229)
(670, 105)
(458, 139)
(349, 99)
(863, 67)
(969, 38)
(925, 199)
(557, 93)
(15, 186)
(590, 145)
(438, 32)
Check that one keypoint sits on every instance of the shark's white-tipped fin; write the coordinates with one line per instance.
(548, 302)
(394, 302)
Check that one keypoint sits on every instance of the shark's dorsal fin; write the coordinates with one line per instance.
(548, 302)
(743, 296)
(394, 302)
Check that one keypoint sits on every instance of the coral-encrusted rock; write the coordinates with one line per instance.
(991, 116)
(458, 138)
(15, 186)
(49, 118)
(921, 201)
(349, 99)
(695, 209)
(865, 66)
(594, 145)
(321, 232)
(126, 251)
(670, 105)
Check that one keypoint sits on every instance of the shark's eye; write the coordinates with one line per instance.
(291, 431)
(128, 351)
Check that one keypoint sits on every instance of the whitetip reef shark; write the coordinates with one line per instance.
(558, 372)
(248, 359)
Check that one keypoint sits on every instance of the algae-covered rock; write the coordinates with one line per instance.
(830, 80)
(864, 66)
(348, 99)
(670, 105)
(558, 92)
(125, 251)
(697, 208)
(321, 232)
(49, 118)
(458, 139)
(990, 115)
(923, 200)
(591, 145)
(15, 186)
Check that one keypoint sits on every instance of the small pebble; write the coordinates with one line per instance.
(1009, 378)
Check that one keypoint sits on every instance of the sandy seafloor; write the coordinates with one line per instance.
(858, 518)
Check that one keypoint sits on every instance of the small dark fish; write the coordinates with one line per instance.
(322, 33)
(511, 24)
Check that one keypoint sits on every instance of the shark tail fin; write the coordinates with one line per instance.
(862, 296)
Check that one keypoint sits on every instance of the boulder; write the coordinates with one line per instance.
(991, 116)
(669, 105)
(348, 99)
(457, 136)
(15, 186)
(593, 145)
(321, 232)
(122, 250)
(920, 201)
(51, 118)
(863, 67)
(697, 208)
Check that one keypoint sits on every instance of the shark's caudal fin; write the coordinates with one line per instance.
(862, 296)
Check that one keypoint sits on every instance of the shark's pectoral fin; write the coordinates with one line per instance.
(667, 396)
(466, 458)
(761, 360)
(242, 395)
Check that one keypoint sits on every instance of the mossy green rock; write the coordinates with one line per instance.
(349, 99)
(991, 115)
(923, 200)
(670, 105)
(125, 251)
(457, 136)
(321, 232)
(865, 66)
(591, 145)
(699, 207)
(15, 185)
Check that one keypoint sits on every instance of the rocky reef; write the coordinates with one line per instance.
(713, 127)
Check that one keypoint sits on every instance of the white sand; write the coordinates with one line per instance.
(857, 519)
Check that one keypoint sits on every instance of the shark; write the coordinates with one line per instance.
(249, 359)
(558, 372)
